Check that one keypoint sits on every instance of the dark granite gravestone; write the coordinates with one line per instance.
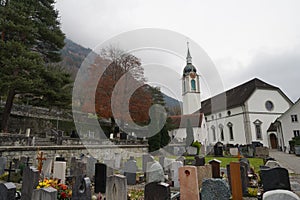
(100, 177)
(199, 161)
(218, 149)
(30, 181)
(215, 189)
(7, 191)
(130, 169)
(275, 178)
(244, 177)
(82, 189)
(116, 188)
(215, 167)
(157, 191)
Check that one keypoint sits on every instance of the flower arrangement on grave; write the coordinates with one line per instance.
(136, 194)
(63, 191)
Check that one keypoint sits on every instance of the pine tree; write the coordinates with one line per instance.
(30, 38)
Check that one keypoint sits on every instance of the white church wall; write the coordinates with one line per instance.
(235, 118)
(287, 126)
(257, 101)
(257, 110)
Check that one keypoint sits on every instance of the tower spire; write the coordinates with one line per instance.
(188, 57)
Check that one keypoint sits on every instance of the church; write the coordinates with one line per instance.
(240, 115)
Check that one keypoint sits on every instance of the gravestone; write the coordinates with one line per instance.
(234, 151)
(168, 163)
(3, 161)
(275, 178)
(261, 152)
(280, 195)
(118, 160)
(218, 149)
(100, 177)
(47, 193)
(191, 150)
(174, 172)
(155, 173)
(59, 171)
(90, 166)
(213, 189)
(82, 189)
(9, 170)
(30, 181)
(130, 169)
(244, 177)
(199, 161)
(272, 164)
(203, 172)
(215, 167)
(78, 167)
(157, 191)
(116, 188)
(7, 191)
(47, 168)
(188, 180)
(110, 165)
(235, 180)
(146, 158)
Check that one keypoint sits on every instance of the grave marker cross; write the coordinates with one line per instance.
(40, 159)
(9, 170)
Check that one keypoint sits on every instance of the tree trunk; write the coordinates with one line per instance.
(7, 110)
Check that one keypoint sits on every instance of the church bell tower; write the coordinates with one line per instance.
(190, 86)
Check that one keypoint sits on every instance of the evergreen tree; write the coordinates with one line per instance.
(165, 137)
(30, 38)
(189, 134)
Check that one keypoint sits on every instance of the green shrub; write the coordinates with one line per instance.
(197, 145)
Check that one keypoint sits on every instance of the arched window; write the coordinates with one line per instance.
(193, 84)
(257, 125)
(230, 130)
(221, 132)
(214, 133)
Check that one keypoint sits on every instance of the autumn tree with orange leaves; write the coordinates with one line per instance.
(120, 88)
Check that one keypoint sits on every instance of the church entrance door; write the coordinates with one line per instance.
(274, 141)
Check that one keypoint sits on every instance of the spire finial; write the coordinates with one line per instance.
(188, 57)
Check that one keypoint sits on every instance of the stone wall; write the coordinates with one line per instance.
(100, 152)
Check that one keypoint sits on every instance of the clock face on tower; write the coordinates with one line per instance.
(192, 74)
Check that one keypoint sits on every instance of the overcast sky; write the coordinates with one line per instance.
(244, 39)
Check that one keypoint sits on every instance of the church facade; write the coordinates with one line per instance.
(240, 115)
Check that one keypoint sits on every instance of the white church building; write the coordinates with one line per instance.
(248, 112)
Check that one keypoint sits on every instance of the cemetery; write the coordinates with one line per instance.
(225, 175)
(88, 124)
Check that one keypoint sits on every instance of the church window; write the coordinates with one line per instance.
(296, 133)
(184, 87)
(193, 84)
(220, 115)
(269, 105)
(221, 132)
(214, 133)
(257, 125)
(230, 130)
(228, 112)
(294, 118)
